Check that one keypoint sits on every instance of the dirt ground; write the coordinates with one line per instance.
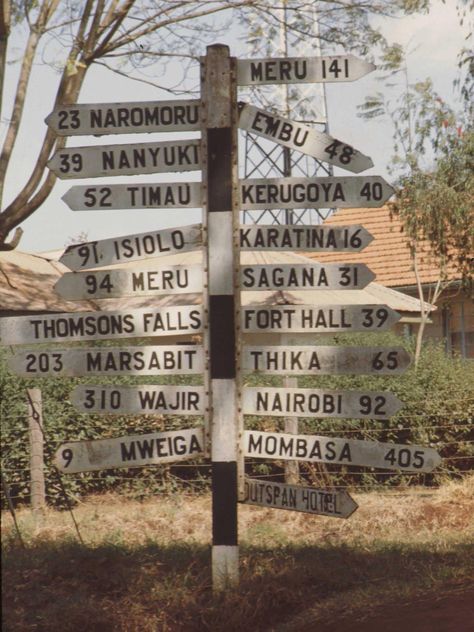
(452, 612)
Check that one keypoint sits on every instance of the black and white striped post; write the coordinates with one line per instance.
(220, 201)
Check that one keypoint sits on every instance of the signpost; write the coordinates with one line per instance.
(318, 449)
(166, 321)
(309, 319)
(129, 196)
(221, 195)
(143, 281)
(305, 277)
(82, 361)
(126, 160)
(271, 70)
(306, 238)
(303, 138)
(168, 241)
(323, 360)
(96, 119)
(130, 451)
(348, 192)
(145, 399)
(322, 502)
(313, 402)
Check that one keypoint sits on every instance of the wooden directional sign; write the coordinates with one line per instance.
(120, 196)
(348, 192)
(142, 399)
(323, 502)
(323, 360)
(305, 277)
(126, 160)
(166, 321)
(146, 360)
(306, 238)
(311, 402)
(308, 318)
(168, 241)
(390, 456)
(301, 70)
(303, 138)
(95, 119)
(150, 281)
(132, 451)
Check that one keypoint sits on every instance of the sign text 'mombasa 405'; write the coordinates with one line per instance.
(143, 360)
(390, 456)
(166, 321)
(131, 451)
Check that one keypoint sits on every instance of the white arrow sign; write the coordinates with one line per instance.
(303, 138)
(308, 319)
(323, 360)
(311, 402)
(146, 360)
(346, 192)
(128, 196)
(132, 451)
(95, 119)
(390, 456)
(126, 160)
(143, 281)
(301, 70)
(307, 238)
(160, 243)
(146, 399)
(322, 502)
(166, 321)
(305, 277)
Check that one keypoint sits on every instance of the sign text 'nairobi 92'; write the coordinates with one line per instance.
(166, 321)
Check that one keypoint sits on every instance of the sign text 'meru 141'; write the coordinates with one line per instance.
(273, 70)
(126, 160)
(345, 192)
(160, 243)
(308, 318)
(305, 277)
(129, 196)
(95, 119)
(131, 451)
(143, 360)
(166, 321)
(323, 360)
(142, 281)
(141, 399)
(312, 402)
(306, 238)
(303, 138)
(390, 456)
(323, 502)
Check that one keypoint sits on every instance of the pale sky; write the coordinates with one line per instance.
(434, 39)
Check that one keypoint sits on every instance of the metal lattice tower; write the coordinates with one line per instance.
(304, 103)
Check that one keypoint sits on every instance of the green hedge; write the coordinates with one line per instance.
(438, 411)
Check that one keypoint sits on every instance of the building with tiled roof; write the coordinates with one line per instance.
(388, 256)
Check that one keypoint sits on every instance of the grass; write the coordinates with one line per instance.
(146, 565)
